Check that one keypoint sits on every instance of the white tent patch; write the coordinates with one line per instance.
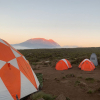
(65, 62)
(93, 58)
(84, 61)
(13, 47)
(3, 42)
(26, 86)
(14, 63)
(24, 58)
(37, 82)
(15, 53)
(2, 63)
(4, 93)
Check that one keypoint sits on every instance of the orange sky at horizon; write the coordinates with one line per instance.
(61, 43)
(67, 22)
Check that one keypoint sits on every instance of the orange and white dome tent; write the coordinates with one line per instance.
(63, 64)
(17, 79)
(86, 65)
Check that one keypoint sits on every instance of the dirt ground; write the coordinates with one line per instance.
(72, 83)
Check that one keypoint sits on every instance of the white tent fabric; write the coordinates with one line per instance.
(93, 58)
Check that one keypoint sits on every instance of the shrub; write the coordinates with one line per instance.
(77, 83)
(34, 63)
(80, 77)
(97, 90)
(90, 79)
(67, 98)
(43, 95)
(70, 75)
(63, 77)
(90, 91)
(40, 78)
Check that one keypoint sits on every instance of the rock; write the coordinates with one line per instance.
(65, 81)
(82, 84)
(61, 97)
(47, 61)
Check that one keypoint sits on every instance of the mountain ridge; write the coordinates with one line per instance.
(37, 43)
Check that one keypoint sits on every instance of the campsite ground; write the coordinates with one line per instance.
(74, 83)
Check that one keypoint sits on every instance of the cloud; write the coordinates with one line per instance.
(20, 47)
(68, 46)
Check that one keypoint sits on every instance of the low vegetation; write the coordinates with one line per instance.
(77, 82)
(43, 95)
(90, 79)
(90, 91)
(40, 78)
(74, 55)
(70, 75)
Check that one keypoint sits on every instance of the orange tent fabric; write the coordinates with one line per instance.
(17, 78)
(63, 64)
(86, 65)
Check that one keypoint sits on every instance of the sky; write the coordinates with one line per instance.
(67, 22)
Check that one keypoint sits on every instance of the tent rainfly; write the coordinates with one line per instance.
(63, 64)
(86, 65)
(17, 78)
(93, 58)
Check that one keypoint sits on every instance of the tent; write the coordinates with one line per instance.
(17, 78)
(93, 58)
(86, 65)
(63, 64)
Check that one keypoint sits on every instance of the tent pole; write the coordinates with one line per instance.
(17, 97)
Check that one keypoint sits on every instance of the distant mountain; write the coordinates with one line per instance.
(37, 43)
